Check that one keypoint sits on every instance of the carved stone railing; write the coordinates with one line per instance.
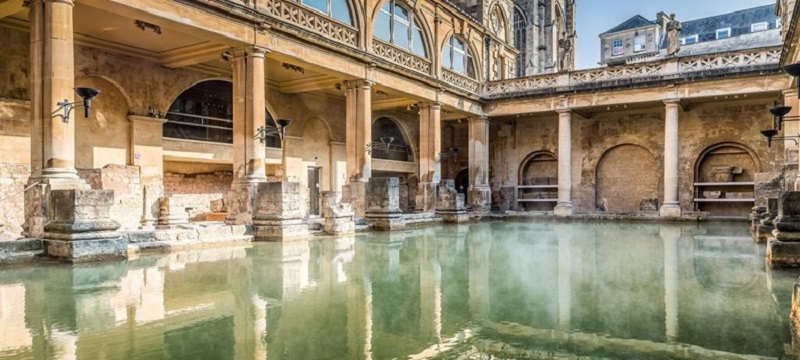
(460, 81)
(401, 57)
(309, 19)
(639, 73)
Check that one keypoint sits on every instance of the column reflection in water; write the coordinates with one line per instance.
(671, 235)
(14, 335)
(564, 235)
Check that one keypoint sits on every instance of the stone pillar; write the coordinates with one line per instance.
(80, 227)
(338, 216)
(672, 204)
(564, 206)
(783, 250)
(449, 203)
(430, 146)
(359, 135)
(249, 114)
(278, 212)
(791, 128)
(480, 194)
(671, 237)
(383, 204)
(52, 80)
(765, 225)
(172, 212)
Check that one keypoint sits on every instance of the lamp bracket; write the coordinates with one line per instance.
(67, 107)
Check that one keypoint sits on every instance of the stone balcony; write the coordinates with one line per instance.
(676, 69)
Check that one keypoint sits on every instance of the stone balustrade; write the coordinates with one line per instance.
(641, 73)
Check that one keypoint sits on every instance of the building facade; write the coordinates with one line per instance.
(422, 91)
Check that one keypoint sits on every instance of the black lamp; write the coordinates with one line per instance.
(87, 94)
(770, 133)
(282, 125)
(794, 70)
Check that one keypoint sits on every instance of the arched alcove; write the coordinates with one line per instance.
(103, 138)
(317, 158)
(398, 149)
(627, 178)
(537, 188)
(724, 175)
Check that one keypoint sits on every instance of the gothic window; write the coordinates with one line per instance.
(396, 24)
(337, 9)
(520, 41)
(498, 25)
(457, 57)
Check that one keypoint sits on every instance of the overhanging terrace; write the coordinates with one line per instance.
(674, 70)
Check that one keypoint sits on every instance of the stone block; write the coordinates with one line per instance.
(767, 186)
(172, 212)
(426, 197)
(338, 216)
(783, 254)
(354, 193)
(450, 204)
(240, 202)
(383, 204)
(670, 211)
(787, 224)
(480, 199)
(278, 214)
(79, 226)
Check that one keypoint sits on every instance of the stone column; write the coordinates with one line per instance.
(249, 114)
(52, 81)
(564, 206)
(383, 204)
(430, 146)
(480, 194)
(792, 128)
(359, 135)
(672, 205)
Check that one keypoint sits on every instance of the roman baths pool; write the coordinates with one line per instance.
(540, 290)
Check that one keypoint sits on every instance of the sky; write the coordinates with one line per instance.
(598, 16)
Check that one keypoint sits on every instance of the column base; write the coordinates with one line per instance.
(670, 211)
(426, 197)
(480, 199)
(355, 194)
(114, 248)
(383, 222)
(280, 230)
(782, 254)
(240, 202)
(564, 209)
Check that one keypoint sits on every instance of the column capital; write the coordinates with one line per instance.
(249, 50)
(564, 111)
(434, 105)
(672, 102)
(477, 119)
(789, 93)
(68, 2)
(358, 83)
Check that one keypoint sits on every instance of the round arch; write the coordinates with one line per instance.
(420, 20)
(626, 176)
(541, 155)
(495, 6)
(476, 63)
(104, 136)
(715, 148)
(113, 82)
(403, 132)
(723, 176)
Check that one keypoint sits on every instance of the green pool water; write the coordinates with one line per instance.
(503, 290)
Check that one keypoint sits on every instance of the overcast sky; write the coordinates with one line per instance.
(598, 16)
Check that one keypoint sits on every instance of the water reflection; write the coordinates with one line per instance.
(501, 289)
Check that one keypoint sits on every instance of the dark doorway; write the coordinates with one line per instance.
(313, 191)
(462, 181)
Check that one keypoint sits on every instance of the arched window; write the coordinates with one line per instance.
(337, 9)
(204, 112)
(520, 28)
(396, 24)
(383, 130)
(498, 23)
(457, 57)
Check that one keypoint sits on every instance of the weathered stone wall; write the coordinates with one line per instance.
(217, 182)
(619, 155)
(13, 178)
(128, 206)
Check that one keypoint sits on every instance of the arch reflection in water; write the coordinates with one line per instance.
(501, 289)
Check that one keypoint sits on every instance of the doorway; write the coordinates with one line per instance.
(313, 191)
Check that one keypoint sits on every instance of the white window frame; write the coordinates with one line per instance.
(778, 23)
(723, 30)
(614, 47)
(761, 26)
(685, 40)
(639, 46)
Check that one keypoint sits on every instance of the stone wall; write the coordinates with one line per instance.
(13, 178)
(125, 181)
(618, 156)
(201, 193)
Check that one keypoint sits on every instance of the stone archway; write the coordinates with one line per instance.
(723, 178)
(104, 137)
(626, 176)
